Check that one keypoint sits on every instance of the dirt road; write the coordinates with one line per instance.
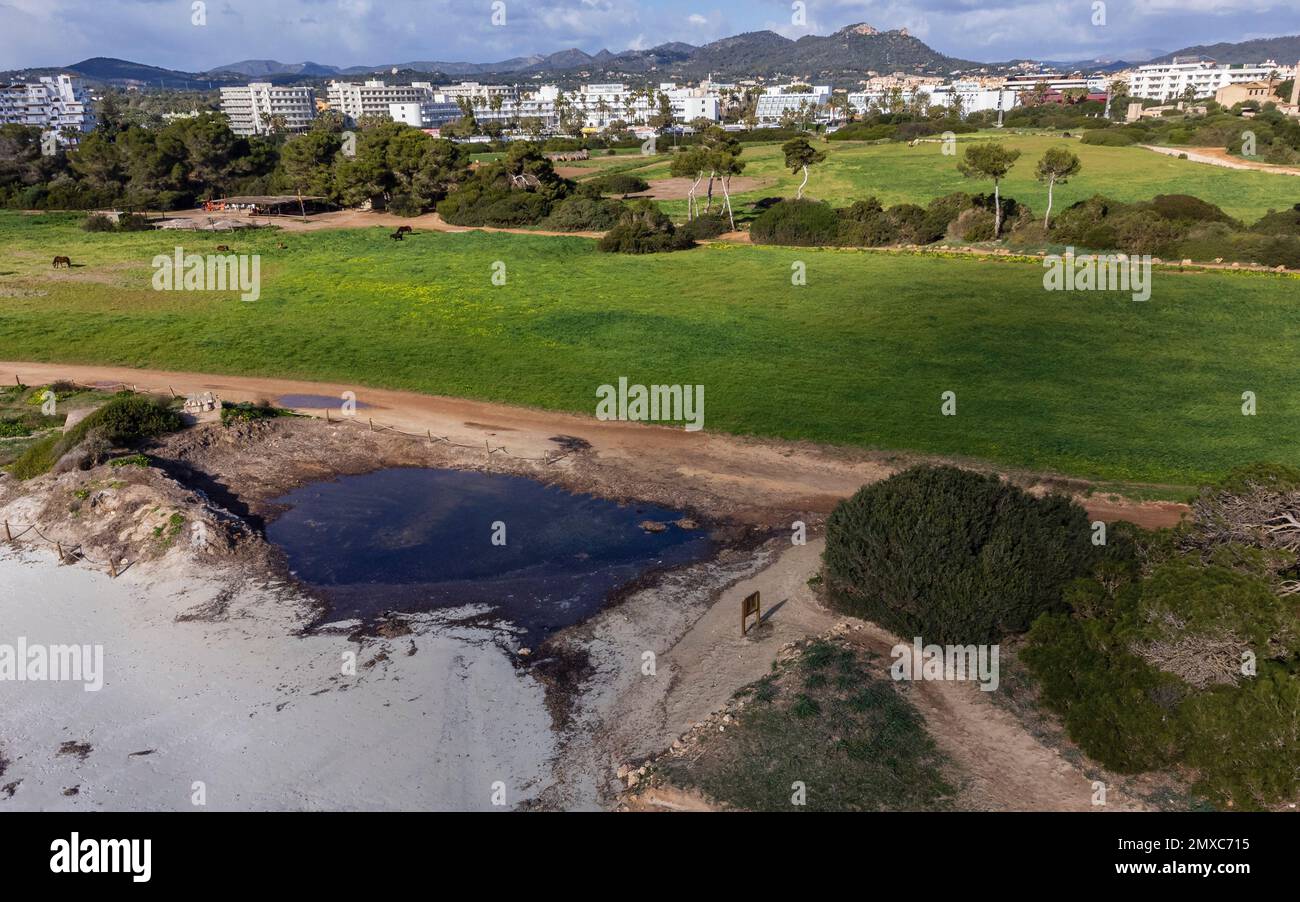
(1219, 156)
(749, 480)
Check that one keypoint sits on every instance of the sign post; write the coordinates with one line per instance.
(751, 605)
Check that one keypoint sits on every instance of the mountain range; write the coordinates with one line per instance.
(840, 58)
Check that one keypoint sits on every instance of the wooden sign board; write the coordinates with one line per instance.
(751, 605)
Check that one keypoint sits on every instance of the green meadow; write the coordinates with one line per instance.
(1089, 384)
(897, 173)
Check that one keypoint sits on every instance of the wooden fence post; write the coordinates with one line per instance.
(9, 537)
(59, 547)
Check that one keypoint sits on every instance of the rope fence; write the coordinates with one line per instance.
(66, 553)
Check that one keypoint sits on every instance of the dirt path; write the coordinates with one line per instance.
(359, 219)
(1007, 768)
(1218, 156)
(749, 479)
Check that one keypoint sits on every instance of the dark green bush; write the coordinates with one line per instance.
(802, 223)
(1109, 137)
(954, 556)
(584, 214)
(1185, 207)
(644, 229)
(706, 225)
(1118, 709)
(123, 421)
(98, 222)
(619, 183)
(1282, 222)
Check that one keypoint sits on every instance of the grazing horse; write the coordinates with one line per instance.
(399, 235)
(62, 261)
(225, 248)
(405, 230)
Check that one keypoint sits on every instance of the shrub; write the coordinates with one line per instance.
(98, 222)
(134, 222)
(619, 183)
(941, 212)
(1118, 709)
(802, 223)
(644, 229)
(706, 225)
(123, 421)
(973, 225)
(862, 131)
(1109, 138)
(584, 214)
(1185, 207)
(953, 556)
(247, 412)
(1284, 222)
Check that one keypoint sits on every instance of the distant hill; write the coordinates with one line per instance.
(849, 52)
(124, 72)
(264, 68)
(1285, 51)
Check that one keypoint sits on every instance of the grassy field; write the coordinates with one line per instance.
(1091, 384)
(897, 173)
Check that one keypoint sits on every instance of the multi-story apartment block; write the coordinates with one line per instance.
(1172, 81)
(776, 101)
(261, 108)
(375, 98)
(426, 113)
(973, 96)
(58, 104)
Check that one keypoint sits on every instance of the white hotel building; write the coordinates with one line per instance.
(1170, 81)
(416, 104)
(776, 101)
(54, 103)
(974, 97)
(253, 110)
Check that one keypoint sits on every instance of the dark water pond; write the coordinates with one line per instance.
(418, 539)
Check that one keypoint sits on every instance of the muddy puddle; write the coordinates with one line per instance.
(416, 539)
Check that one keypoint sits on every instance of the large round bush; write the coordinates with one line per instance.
(953, 556)
(803, 223)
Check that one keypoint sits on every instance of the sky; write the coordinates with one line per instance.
(195, 35)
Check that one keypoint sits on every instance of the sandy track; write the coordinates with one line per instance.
(751, 478)
(1218, 156)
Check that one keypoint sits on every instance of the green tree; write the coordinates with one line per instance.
(989, 160)
(799, 154)
(1057, 166)
(307, 162)
(691, 163)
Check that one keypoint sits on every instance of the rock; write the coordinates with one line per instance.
(524, 652)
(632, 779)
(652, 525)
(686, 523)
(624, 770)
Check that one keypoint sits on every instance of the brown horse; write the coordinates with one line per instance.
(224, 248)
(405, 230)
(62, 261)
